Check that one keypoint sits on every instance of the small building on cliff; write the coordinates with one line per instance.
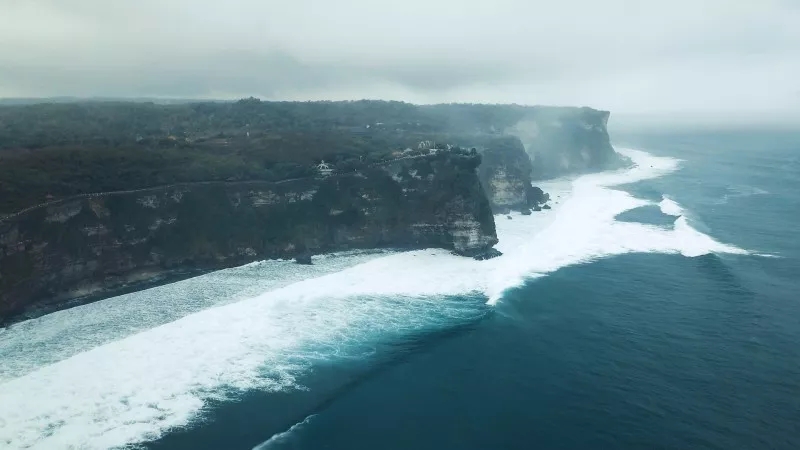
(324, 169)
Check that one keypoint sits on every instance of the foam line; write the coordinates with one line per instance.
(284, 436)
(136, 388)
(26, 346)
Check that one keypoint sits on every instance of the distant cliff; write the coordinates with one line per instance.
(70, 250)
(563, 141)
(558, 141)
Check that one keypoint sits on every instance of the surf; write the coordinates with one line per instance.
(130, 374)
(585, 227)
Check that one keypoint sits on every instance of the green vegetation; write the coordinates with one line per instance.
(55, 150)
(113, 124)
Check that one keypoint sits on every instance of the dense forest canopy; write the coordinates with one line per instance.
(55, 150)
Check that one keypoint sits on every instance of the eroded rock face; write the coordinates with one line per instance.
(49, 257)
(506, 175)
(469, 237)
(508, 189)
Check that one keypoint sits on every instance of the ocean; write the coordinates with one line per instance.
(653, 307)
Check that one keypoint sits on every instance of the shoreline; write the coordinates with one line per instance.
(559, 189)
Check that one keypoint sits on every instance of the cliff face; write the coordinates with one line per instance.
(66, 248)
(562, 141)
(506, 175)
(66, 252)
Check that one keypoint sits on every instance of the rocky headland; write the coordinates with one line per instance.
(99, 198)
(506, 176)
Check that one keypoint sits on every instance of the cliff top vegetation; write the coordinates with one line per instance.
(55, 150)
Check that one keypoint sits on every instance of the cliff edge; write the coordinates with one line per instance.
(92, 246)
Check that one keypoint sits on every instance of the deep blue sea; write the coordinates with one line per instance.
(673, 324)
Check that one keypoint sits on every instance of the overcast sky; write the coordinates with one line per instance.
(702, 60)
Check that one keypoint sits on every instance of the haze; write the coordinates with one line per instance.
(687, 61)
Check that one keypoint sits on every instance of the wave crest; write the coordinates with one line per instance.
(670, 207)
(586, 228)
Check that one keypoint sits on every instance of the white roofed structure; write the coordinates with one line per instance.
(324, 168)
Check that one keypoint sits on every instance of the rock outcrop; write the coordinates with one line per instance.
(506, 175)
(93, 246)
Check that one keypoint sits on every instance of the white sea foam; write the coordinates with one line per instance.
(138, 381)
(53, 337)
(670, 207)
(585, 228)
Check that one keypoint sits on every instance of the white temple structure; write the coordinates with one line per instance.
(324, 169)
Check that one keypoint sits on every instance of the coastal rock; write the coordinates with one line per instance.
(506, 175)
(536, 196)
(488, 254)
(84, 249)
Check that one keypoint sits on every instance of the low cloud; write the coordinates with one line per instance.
(683, 59)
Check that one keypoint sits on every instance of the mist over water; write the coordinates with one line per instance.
(130, 369)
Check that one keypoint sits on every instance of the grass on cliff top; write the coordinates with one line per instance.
(56, 150)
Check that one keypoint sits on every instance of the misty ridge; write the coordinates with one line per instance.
(660, 64)
(112, 145)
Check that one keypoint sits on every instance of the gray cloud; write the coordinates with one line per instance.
(730, 60)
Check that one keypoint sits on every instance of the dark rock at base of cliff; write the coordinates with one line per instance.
(508, 217)
(546, 207)
(537, 208)
(536, 196)
(488, 254)
(304, 259)
(525, 212)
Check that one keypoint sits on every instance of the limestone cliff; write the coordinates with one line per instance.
(70, 251)
(506, 175)
(562, 141)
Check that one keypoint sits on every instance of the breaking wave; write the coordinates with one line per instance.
(285, 436)
(93, 378)
(585, 227)
(670, 207)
